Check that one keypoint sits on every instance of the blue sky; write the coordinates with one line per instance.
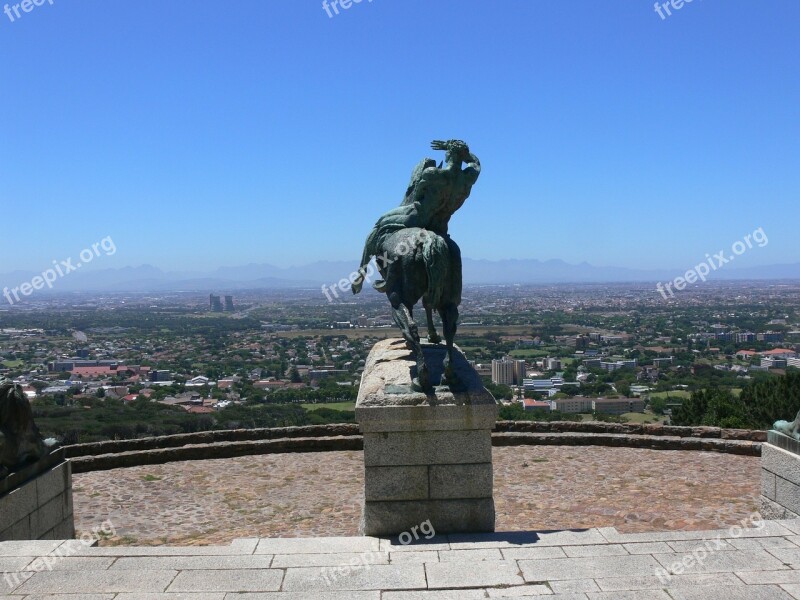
(200, 134)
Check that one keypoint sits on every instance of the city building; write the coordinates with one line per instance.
(660, 363)
(618, 364)
(529, 404)
(575, 405)
(617, 406)
(160, 375)
(520, 372)
(592, 363)
(774, 363)
(215, 303)
(229, 304)
(503, 372)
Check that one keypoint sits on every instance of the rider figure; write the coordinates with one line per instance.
(433, 195)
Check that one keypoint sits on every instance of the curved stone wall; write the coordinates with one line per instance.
(325, 438)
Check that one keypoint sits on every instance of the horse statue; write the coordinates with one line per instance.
(20, 440)
(418, 260)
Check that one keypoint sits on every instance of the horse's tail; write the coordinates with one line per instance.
(370, 250)
(437, 260)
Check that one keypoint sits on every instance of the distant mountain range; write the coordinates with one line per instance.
(147, 278)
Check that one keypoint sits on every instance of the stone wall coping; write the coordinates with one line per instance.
(31, 471)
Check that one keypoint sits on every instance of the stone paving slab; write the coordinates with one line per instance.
(472, 574)
(88, 582)
(238, 580)
(378, 577)
(742, 565)
(751, 592)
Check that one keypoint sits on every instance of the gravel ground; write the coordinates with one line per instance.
(319, 494)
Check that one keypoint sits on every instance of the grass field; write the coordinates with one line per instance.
(674, 394)
(12, 364)
(643, 418)
(636, 418)
(333, 406)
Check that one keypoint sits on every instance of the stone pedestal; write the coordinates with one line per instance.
(36, 502)
(780, 477)
(426, 457)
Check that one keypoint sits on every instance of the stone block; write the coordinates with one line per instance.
(87, 582)
(489, 573)
(772, 511)
(782, 463)
(21, 530)
(768, 484)
(396, 483)
(48, 516)
(377, 419)
(461, 481)
(388, 373)
(784, 442)
(16, 505)
(427, 447)
(378, 577)
(446, 516)
(53, 483)
(787, 494)
(586, 568)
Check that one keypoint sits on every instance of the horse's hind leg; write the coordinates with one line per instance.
(449, 314)
(433, 337)
(405, 321)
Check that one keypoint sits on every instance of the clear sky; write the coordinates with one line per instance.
(200, 134)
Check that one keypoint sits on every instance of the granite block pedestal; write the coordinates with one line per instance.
(36, 501)
(427, 457)
(780, 477)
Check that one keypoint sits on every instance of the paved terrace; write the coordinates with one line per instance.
(592, 564)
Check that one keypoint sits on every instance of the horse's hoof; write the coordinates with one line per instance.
(434, 339)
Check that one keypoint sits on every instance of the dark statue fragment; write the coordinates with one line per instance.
(20, 441)
(418, 260)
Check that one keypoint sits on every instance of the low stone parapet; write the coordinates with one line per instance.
(36, 502)
(780, 477)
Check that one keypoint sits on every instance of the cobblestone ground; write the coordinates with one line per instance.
(318, 494)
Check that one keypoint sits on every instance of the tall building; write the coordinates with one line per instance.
(520, 372)
(551, 364)
(215, 302)
(503, 372)
(229, 304)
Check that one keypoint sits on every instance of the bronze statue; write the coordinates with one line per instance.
(416, 257)
(790, 429)
(20, 440)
